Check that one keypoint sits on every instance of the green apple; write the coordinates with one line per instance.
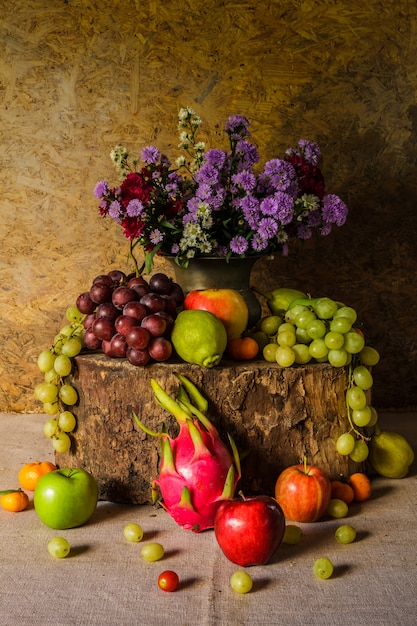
(65, 498)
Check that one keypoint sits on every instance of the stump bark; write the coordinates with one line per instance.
(275, 415)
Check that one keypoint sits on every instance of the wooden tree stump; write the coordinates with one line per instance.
(275, 415)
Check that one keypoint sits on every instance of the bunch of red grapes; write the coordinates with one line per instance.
(127, 316)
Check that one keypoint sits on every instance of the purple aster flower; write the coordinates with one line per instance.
(304, 231)
(325, 230)
(281, 174)
(208, 174)
(134, 208)
(215, 157)
(101, 189)
(267, 227)
(259, 243)
(238, 244)
(150, 155)
(156, 236)
(280, 206)
(250, 210)
(249, 155)
(114, 209)
(314, 218)
(245, 179)
(334, 210)
(237, 126)
(310, 151)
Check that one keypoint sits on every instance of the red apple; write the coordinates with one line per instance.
(249, 531)
(226, 304)
(304, 492)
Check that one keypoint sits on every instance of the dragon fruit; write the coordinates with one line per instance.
(197, 472)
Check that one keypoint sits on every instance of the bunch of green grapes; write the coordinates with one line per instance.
(322, 330)
(58, 396)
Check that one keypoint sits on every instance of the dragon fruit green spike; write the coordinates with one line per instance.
(197, 472)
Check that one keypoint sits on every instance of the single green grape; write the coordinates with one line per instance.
(356, 398)
(374, 416)
(363, 377)
(286, 326)
(133, 532)
(287, 338)
(68, 394)
(152, 551)
(345, 534)
(334, 340)
(50, 428)
(302, 319)
(354, 342)
(241, 582)
(52, 377)
(316, 329)
(63, 365)
(338, 357)
(341, 325)
(369, 356)
(325, 308)
(292, 534)
(295, 310)
(73, 314)
(285, 356)
(51, 408)
(270, 324)
(360, 452)
(362, 417)
(345, 444)
(323, 568)
(67, 421)
(72, 347)
(318, 349)
(337, 508)
(302, 335)
(302, 353)
(347, 311)
(61, 442)
(269, 352)
(58, 547)
(46, 392)
(46, 360)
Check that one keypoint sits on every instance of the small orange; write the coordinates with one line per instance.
(342, 491)
(242, 348)
(14, 501)
(361, 486)
(30, 473)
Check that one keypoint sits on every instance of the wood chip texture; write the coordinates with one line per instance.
(78, 77)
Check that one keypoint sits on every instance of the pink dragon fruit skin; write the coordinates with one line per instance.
(197, 472)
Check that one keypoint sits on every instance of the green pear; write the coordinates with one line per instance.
(390, 454)
(279, 299)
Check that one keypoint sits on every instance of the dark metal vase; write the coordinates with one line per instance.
(209, 272)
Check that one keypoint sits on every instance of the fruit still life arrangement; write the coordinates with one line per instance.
(153, 321)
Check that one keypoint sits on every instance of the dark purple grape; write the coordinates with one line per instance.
(103, 328)
(107, 309)
(160, 283)
(91, 341)
(155, 324)
(85, 304)
(138, 357)
(124, 323)
(138, 337)
(106, 348)
(118, 345)
(169, 319)
(118, 277)
(137, 280)
(88, 320)
(177, 293)
(135, 309)
(153, 301)
(160, 348)
(123, 295)
(104, 279)
(100, 293)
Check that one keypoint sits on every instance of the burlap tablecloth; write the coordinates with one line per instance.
(105, 581)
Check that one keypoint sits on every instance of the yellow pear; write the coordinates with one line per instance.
(390, 454)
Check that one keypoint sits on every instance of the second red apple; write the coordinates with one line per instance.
(226, 304)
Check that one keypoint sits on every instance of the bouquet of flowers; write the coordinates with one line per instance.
(214, 202)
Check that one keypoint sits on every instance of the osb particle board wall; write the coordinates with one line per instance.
(78, 77)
